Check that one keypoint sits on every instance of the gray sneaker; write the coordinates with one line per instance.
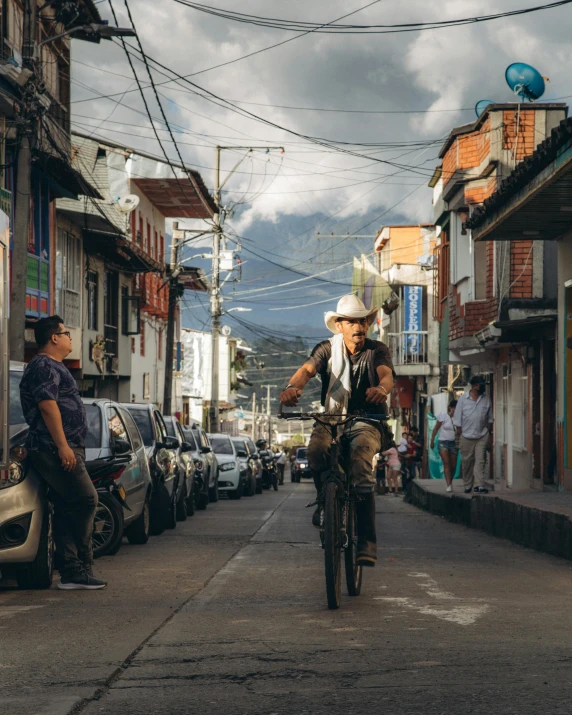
(81, 582)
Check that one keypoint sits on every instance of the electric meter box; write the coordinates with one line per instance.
(227, 260)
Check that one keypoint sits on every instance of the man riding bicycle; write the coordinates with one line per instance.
(357, 376)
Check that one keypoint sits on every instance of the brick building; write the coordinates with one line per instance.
(496, 301)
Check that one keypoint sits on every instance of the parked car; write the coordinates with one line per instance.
(300, 467)
(256, 464)
(230, 480)
(186, 467)
(248, 468)
(201, 470)
(211, 462)
(161, 453)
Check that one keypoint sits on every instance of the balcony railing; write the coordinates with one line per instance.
(408, 348)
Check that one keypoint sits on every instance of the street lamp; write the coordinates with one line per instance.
(94, 31)
(238, 309)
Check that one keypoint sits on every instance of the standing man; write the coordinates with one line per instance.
(357, 375)
(473, 420)
(281, 464)
(53, 408)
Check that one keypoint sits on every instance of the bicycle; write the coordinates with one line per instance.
(337, 502)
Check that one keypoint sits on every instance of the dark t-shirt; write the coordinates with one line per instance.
(360, 381)
(48, 379)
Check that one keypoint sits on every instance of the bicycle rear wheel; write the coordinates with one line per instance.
(353, 571)
(332, 545)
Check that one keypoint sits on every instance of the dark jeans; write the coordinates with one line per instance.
(75, 500)
(364, 443)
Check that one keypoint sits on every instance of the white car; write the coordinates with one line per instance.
(230, 478)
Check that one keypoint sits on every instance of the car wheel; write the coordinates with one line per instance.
(138, 532)
(251, 491)
(181, 508)
(160, 504)
(203, 501)
(107, 526)
(39, 573)
(259, 486)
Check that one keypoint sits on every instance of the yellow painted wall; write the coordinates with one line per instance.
(405, 245)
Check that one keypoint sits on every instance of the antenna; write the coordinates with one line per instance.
(525, 81)
(481, 105)
(127, 204)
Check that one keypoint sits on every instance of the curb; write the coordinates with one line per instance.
(530, 527)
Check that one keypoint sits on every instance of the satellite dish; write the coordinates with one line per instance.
(525, 81)
(225, 330)
(128, 203)
(481, 105)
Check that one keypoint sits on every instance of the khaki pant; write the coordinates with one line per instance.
(364, 443)
(473, 453)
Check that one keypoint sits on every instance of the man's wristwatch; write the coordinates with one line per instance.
(290, 386)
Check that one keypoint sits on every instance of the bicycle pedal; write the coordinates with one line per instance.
(314, 503)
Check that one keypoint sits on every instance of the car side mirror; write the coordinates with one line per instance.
(206, 450)
(120, 446)
(186, 447)
(170, 443)
(241, 453)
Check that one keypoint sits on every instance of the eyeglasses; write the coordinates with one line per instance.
(65, 332)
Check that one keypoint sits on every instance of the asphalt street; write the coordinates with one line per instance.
(227, 614)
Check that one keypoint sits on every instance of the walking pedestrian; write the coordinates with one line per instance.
(379, 470)
(393, 468)
(473, 420)
(53, 408)
(447, 446)
(418, 461)
(281, 464)
(408, 462)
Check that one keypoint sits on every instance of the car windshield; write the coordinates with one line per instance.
(16, 414)
(221, 445)
(302, 454)
(93, 436)
(143, 421)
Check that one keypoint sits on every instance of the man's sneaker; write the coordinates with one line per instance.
(81, 582)
(316, 517)
(481, 490)
(449, 488)
(467, 491)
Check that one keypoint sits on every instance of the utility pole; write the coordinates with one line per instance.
(254, 416)
(22, 209)
(174, 294)
(215, 301)
(268, 388)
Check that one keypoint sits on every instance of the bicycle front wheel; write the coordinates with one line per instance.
(332, 545)
(353, 571)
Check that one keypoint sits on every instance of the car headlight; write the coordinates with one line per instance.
(302, 465)
(198, 465)
(228, 466)
(11, 476)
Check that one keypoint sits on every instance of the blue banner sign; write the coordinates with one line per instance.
(413, 318)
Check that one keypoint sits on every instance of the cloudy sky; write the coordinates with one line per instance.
(401, 94)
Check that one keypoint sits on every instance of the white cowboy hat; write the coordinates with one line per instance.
(349, 306)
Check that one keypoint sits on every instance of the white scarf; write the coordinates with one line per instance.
(339, 388)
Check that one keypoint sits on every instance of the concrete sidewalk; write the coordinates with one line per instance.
(537, 520)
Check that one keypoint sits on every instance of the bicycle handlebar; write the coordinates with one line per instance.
(323, 417)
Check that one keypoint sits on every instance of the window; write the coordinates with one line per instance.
(132, 429)
(155, 245)
(441, 278)
(162, 248)
(93, 436)
(160, 344)
(92, 299)
(68, 281)
(130, 313)
(142, 340)
(148, 241)
(116, 427)
(142, 419)
(221, 445)
(480, 269)
(160, 425)
(140, 232)
(519, 405)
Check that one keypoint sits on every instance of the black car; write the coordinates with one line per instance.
(249, 464)
(161, 453)
(211, 464)
(300, 466)
(186, 467)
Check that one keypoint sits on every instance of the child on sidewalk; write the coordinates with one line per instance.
(393, 468)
